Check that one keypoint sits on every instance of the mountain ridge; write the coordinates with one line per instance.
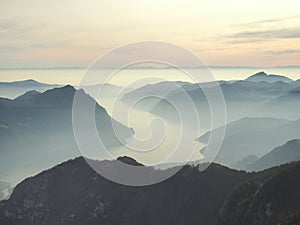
(262, 76)
(218, 195)
(37, 121)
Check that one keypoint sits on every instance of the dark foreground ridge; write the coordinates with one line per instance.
(73, 194)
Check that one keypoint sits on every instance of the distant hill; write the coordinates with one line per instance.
(242, 98)
(253, 97)
(16, 88)
(262, 76)
(150, 94)
(244, 162)
(284, 154)
(36, 130)
(286, 104)
(253, 136)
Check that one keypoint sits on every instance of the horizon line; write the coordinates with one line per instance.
(144, 67)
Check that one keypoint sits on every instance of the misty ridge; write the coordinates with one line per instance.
(258, 157)
(36, 130)
(73, 193)
(261, 113)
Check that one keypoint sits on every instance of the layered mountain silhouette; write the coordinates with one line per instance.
(286, 153)
(72, 193)
(253, 136)
(36, 130)
(16, 88)
(260, 95)
(287, 105)
(262, 76)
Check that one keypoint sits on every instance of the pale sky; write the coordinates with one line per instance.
(40, 33)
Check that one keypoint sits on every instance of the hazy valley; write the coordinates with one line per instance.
(262, 135)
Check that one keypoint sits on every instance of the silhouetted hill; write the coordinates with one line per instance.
(16, 88)
(242, 98)
(23, 83)
(245, 161)
(284, 154)
(253, 136)
(129, 161)
(72, 193)
(252, 97)
(262, 76)
(37, 130)
(268, 198)
(286, 104)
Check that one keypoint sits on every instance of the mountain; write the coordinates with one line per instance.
(150, 94)
(251, 97)
(16, 88)
(253, 136)
(24, 83)
(245, 161)
(37, 132)
(286, 104)
(242, 98)
(74, 194)
(262, 76)
(269, 197)
(284, 154)
(160, 89)
(292, 220)
(104, 91)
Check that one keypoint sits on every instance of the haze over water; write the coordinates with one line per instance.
(73, 76)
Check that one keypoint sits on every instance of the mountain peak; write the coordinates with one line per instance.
(30, 81)
(27, 95)
(271, 78)
(68, 87)
(260, 74)
(64, 89)
(128, 160)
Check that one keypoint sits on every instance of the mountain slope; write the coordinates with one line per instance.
(268, 198)
(284, 154)
(37, 131)
(73, 194)
(253, 136)
(242, 98)
(16, 88)
(292, 220)
(262, 76)
(287, 104)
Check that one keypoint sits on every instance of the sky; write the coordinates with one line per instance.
(66, 33)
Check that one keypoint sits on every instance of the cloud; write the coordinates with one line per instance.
(265, 22)
(261, 35)
(283, 52)
(266, 29)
